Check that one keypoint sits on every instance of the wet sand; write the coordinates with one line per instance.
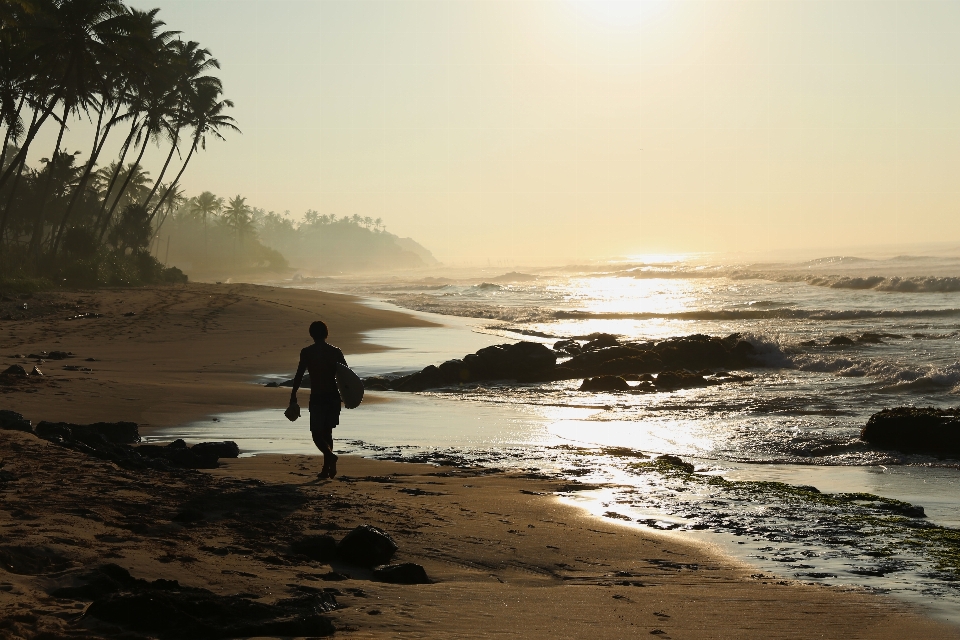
(507, 558)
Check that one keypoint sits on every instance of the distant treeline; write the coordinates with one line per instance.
(209, 234)
(118, 69)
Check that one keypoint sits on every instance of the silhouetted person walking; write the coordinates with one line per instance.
(321, 359)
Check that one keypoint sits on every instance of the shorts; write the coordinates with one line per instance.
(324, 417)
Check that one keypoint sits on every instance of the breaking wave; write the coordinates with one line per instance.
(457, 306)
(913, 284)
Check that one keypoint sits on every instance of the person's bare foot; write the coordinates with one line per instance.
(324, 474)
(333, 466)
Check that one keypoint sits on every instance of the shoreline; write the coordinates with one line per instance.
(476, 571)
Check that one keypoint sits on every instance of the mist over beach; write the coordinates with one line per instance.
(655, 306)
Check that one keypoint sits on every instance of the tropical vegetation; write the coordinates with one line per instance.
(211, 235)
(80, 216)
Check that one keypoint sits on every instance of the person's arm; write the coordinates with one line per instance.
(297, 379)
(341, 359)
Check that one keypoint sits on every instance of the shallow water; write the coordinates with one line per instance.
(797, 422)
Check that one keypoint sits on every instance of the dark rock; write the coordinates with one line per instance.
(225, 449)
(600, 341)
(179, 443)
(406, 573)
(272, 385)
(603, 355)
(59, 355)
(15, 371)
(366, 546)
(590, 361)
(428, 378)
(672, 380)
(567, 347)
(841, 341)
(808, 343)
(180, 456)
(870, 338)
(605, 383)
(321, 548)
(165, 609)
(930, 431)
(13, 421)
(645, 363)
(454, 371)
(519, 361)
(112, 432)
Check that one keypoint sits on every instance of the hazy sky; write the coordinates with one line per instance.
(535, 130)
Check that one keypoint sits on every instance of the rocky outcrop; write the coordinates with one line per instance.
(519, 361)
(602, 355)
(112, 440)
(204, 455)
(928, 431)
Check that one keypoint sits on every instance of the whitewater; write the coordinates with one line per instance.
(781, 477)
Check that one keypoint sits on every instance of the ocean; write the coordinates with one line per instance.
(781, 478)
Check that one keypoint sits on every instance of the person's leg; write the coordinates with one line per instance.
(329, 457)
(319, 431)
(320, 439)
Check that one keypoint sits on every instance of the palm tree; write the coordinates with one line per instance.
(65, 39)
(237, 217)
(138, 183)
(203, 206)
(191, 63)
(156, 98)
(207, 117)
(127, 56)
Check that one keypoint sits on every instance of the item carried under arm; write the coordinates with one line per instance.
(350, 386)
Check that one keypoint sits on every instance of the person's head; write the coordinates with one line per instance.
(318, 331)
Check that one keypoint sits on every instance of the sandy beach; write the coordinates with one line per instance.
(505, 556)
(164, 355)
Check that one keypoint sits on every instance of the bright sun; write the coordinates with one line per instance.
(618, 13)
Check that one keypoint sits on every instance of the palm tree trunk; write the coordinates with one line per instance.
(116, 173)
(98, 141)
(6, 135)
(13, 189)
(193, 147)
(6, 210)
(156, 185)
(38, 225)
(126, 183)
(31, 134)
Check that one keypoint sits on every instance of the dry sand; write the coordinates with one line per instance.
(189, 351)
(507, 558)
